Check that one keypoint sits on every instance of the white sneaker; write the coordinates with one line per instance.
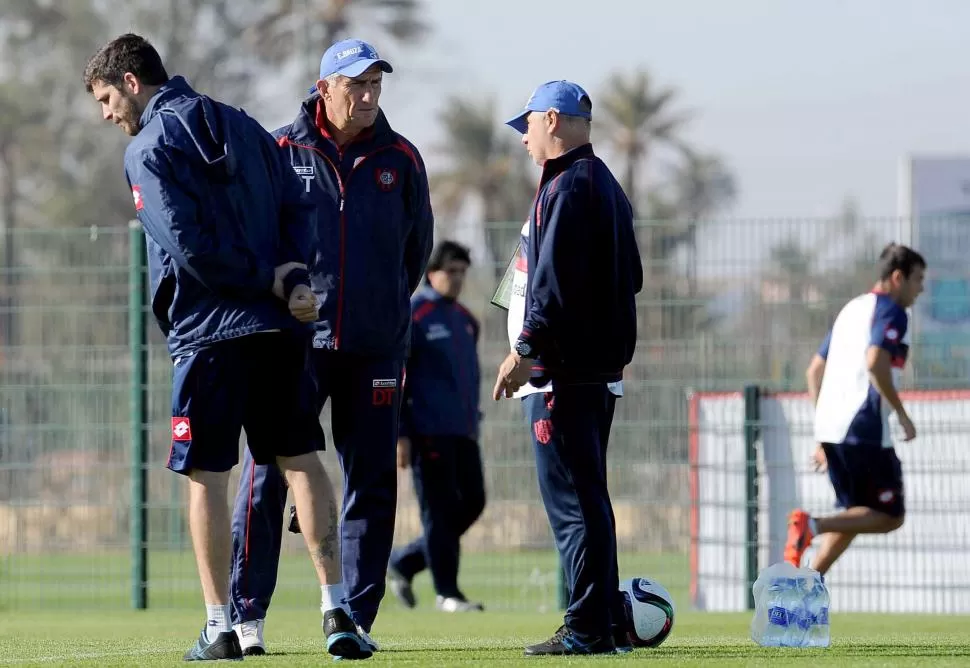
(250, 636)
(451, 604)
(374, 647)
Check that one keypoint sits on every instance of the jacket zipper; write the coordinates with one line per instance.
(342, 186)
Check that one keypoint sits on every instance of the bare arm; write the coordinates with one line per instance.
(880, 372)
(813, 377)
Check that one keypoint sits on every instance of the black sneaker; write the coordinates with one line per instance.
(343, 640)
(563, 642)
(224, 648)
(401, 587)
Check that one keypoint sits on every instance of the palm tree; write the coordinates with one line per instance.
(806, 284)
(487, 166)
(702, 185)
(316, 24)
(636, 115)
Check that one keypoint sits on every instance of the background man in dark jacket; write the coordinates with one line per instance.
(439, 431)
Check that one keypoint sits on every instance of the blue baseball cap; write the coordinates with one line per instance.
(565, 96)
(350, 58)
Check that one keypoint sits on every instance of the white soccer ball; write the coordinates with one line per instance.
(650, 611)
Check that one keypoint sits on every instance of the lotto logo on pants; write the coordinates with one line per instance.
(384, 389)
(181, 429)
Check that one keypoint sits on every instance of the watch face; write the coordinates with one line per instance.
(523, 349)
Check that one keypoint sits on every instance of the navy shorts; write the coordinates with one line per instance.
(261, 383)
(866, 475)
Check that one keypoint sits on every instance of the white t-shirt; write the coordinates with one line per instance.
(517, 314)
(849, 409)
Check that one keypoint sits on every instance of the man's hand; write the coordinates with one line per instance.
(303, 304)
(280, 273)
(819, 462)
(513, 373)
(403, 452)
(909, 431)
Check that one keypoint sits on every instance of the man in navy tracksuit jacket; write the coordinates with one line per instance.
(372, 242)
(227, 239)
(439, 431)
(578, 333)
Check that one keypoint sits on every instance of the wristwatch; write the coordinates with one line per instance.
(524, 349)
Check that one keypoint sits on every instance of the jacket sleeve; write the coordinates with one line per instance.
(418, 247)
(479, 415)
(632, 248)
(298, 217)
(169, 212)
(561, 269)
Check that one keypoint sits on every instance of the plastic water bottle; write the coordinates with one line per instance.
(791, 608)
(818, 608)
(774, 630)
(799, 617)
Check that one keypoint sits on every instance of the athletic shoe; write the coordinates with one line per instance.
(401, 587)
(224, 647)
(365, 636)
(454, 604)
(564, 643)
(343, 640)
(799, 537)
(251, 637)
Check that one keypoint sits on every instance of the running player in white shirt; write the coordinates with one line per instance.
(852, 382)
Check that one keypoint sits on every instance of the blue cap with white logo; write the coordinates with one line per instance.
(566, 97)
(350, 58)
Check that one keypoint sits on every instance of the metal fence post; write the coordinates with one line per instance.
(752, 428)
(138, 347)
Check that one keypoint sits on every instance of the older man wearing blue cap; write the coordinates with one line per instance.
(572, 330)
(372, 241)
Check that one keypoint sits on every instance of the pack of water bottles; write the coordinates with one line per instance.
(791, 608)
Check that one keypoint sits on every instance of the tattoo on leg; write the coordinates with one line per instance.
(328, 546)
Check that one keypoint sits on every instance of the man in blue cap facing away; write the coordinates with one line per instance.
(372, 241)
(573, 334)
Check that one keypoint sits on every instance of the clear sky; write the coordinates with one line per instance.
(806, 101)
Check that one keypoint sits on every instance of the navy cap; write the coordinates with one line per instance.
(566, 97)
(350, 58)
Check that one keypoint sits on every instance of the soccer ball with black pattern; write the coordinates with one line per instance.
(649, 611)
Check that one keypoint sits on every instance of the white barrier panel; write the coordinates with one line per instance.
(922, 567)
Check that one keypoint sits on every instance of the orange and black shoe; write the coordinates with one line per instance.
(799, 537)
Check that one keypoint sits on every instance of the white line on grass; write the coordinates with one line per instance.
(80, 657)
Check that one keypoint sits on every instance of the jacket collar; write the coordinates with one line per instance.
(556, 166)
(175, 87)
(308, 128)
(433, 295)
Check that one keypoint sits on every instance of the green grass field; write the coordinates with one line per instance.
(69, 610)
(523, 581)
(428, 638)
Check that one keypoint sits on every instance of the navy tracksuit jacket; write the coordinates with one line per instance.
(204, 278)
(372, 242)
(580, 317)
(443, 379)
(441, 417)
